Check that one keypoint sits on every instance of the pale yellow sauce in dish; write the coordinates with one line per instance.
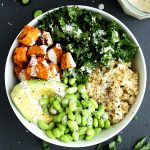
(143, 5)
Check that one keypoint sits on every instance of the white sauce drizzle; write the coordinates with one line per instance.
(44, 48)
(46, 38)
(52, 56)
(143, 5)
(33, 63)
(22, 75)
(72, 63)
(58, 46)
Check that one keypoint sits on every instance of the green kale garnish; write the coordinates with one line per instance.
(46, 145)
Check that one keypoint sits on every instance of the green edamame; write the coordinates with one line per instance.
(65, 80)
(60, 116)
(72, 81)
(65, 102)
(98, 114)
(78, 95)
(78, 103)
(70, 137)
(89, 137)
(85, 96)
(55, 118)
(85, 103)
(71, 97)
(89, 121)
(97, 130)
(78, 118)
(74, 85)
(71, 90)
(51, 99)
(82, 130)
(61, 127)
(57, 106)
(86, 112)
(72, 125)
(64, 120)
(81, 137)
(56, 132)
(72, 105)
(90, 131)
(50, 134)
(84, 121)
(43, 125)
(44, 101)
(75, 136)
(67, 130)
(94, 103)
(51, 125)
(101, 123)
(106, 124)
(45, 109)
(101, 107)
(71, 116)
(78, 110)
(52, 110)
(92, 109)
(81, 88)
(95, 122)
(65, 138)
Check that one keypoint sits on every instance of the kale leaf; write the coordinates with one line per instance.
(89, 38)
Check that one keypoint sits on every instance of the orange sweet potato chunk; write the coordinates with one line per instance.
(17, 70)
(29, 35)
(20, 55)
(39, 70)
(37, 50)
(42, 71)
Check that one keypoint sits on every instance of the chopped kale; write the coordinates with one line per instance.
(89, 38)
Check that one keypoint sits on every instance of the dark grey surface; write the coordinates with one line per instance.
(13, 135)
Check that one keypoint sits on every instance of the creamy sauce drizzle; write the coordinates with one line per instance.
(33, 63)
(52, 56)
(143, 5)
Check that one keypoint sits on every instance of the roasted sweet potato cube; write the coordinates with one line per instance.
(20, 64)
(67, 61)
(39, 50)
(54, 71)
(38, 67)
(17, 70)
(20, 55)
(55, 54)
(29, 35)
(42, 71)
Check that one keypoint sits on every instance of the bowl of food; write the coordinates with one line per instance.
(75, 76)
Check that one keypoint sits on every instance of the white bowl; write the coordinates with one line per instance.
(10, 82)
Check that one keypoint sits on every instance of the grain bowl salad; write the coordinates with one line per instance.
(75, 74)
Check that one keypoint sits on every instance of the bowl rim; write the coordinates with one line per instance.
(55, 142)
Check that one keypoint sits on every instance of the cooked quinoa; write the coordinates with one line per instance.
(116, 88)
